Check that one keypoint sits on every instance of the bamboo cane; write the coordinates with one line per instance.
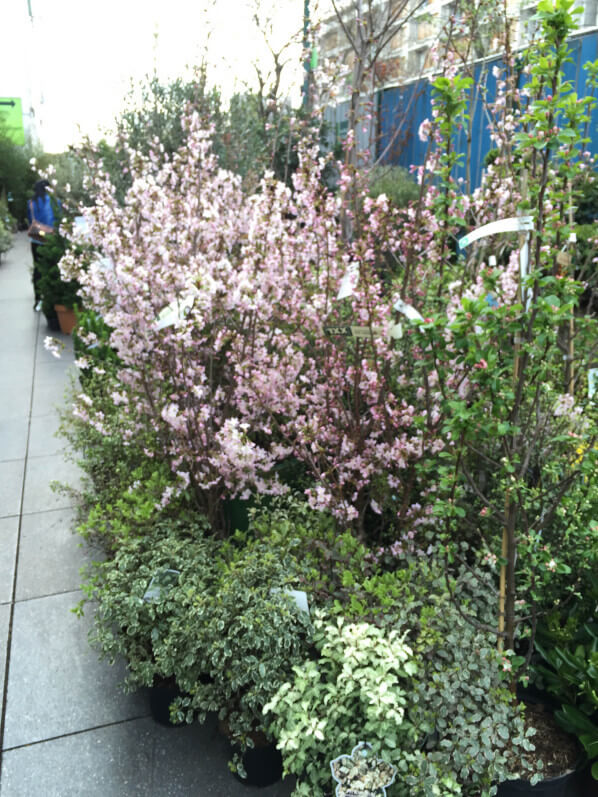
(523, 268)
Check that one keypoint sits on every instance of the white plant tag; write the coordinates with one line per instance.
(513, 224)
(175, 311)
(407, 310)
(592, 382)
(298, 595)
(349, 282)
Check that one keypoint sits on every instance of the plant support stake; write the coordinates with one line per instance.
(523, 225)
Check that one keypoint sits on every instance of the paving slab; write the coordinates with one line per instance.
(9, 531)
(55, 370)
(11, 486)
(42, 472)
(15, 400)
(57, 683)
(13, 438)
(16, 361)
(4, 622)
(50, 555)
(48, 396)
(43, 438)
(136, 759)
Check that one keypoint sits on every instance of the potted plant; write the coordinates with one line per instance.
(245, 634)
(59, 297)
(361, 774)
(140, 592)
(397, 665)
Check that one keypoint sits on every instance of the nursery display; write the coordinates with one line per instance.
(341, 450)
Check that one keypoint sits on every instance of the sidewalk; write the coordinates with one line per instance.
(66, 728)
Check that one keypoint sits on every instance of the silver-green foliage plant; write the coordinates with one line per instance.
(128, 624)
(237, 640)
(5, 238)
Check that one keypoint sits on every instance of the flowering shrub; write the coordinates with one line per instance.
(254, 369)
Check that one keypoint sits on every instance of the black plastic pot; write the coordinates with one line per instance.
(568, 785)
(263, 766)
(52, 321)
(160, 699)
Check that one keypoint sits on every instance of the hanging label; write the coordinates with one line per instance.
(343, 331)
(395, 332)
(592, 382)
(407, 310)
(349, 282)
(513, 224)
(175, 311)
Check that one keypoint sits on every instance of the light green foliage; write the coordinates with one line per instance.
(355, 690)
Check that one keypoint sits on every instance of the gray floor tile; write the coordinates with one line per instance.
(51, 369)
(4, 620)
(17, 309)
(11, 486)
(57, 684)
(48, 395)
(43, 440)
(16, 363)
(13, 438)
(15, 398)
(135, 758)
(41, 473)
(50, 556)
(9, 530)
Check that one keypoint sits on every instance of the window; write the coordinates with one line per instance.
(589, 14)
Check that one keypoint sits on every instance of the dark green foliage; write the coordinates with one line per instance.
(53, 289)
(567, 668)
(16, 178)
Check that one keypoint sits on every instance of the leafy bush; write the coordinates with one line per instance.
(53, 288)
(357, 689)
(236, 641)
(437, 706)
(133, 626)
(568, 670)
(5, 238)
(395, 182)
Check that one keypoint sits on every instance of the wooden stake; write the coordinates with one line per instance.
(523, 270)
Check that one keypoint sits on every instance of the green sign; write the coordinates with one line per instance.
(11, 119)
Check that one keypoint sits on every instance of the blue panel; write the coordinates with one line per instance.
(402, 110)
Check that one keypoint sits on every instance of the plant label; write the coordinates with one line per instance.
(349, 282)
(407, 310)
(512, 224)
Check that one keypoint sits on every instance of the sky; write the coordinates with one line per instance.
(75, 61)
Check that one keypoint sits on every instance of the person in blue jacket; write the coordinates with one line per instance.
(42, 207)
